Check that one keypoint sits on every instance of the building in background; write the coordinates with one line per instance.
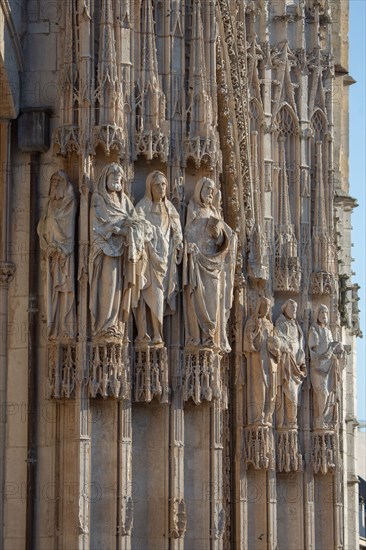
(177, 309)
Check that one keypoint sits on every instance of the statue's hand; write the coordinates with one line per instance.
(179, 252)
(303, 370)
(192, 248)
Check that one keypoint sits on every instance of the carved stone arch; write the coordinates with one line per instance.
(288, 133)
(286, 120)
(319, 124)
(321, 147)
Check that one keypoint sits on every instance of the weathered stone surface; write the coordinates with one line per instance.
(190, 318)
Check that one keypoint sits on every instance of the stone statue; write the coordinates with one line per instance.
(163, 252)
(118, 237)
(262, 352)
(56, 231)
(208, 273)
(291, 367)
(325, 370)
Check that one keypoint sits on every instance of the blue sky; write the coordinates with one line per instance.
(357, 69)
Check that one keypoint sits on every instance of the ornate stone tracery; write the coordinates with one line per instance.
(220, 105)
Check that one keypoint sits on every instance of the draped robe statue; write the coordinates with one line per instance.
(208, 271)
(56, 231)
(261, 350)
(325, 370)
(116, 259)
(163, 250)
(291, 368)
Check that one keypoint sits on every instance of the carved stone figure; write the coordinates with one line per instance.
(117, 245)
(262, 351)
(209, 264)
(291, 368)
(56, 231)
(325, 370)
(163, 251)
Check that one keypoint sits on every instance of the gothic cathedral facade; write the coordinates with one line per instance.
(178, 317)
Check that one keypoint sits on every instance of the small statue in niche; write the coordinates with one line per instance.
(118, 237)
(291, 367)
(262, 353)
(208, 273)
(56, 231)
(164, 252)
(326, 357)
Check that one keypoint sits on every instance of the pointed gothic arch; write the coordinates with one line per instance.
(288, 132)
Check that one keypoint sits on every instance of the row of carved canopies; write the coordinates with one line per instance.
(133, 258)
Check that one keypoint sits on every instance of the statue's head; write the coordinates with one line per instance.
(58, 185)
(206, 191)
(322, 315)
(289, 309)
(112, 179)
(263, 307)
(156, 186)
(114, 176)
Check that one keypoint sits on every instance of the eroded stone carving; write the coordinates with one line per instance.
(61, 370)
(326, 362)
(202, 381)
(56, 231)
(291, 367)
(202, 143)
(323, 454)
(209, 268)
(109, 371)
(151, 374)
(152, 135)
(164, 252)
(259, 447)
(291, 373)
(178, 518)
(117, 244)
(109, 133)
(262, 353)
(127, 515)
(287, 274)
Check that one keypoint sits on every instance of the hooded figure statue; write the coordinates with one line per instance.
(157, 297)
(117, 253)
(208, 272)
(56, 231)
